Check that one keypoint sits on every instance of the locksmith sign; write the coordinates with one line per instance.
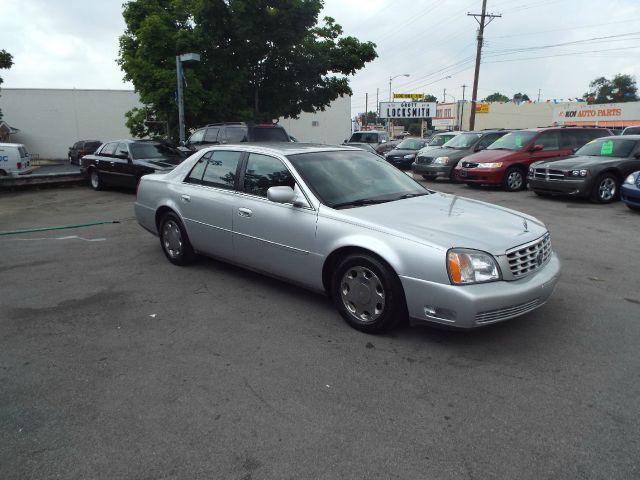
(407, 109)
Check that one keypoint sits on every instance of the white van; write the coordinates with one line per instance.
(14, 159)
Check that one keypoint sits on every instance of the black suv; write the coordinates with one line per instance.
(217, 133)
(81, 148)
(123, 162)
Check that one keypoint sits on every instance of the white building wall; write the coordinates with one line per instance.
(332, 126)
(50, 121)
(511, 115)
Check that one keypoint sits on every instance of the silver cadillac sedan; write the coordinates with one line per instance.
(346, 223)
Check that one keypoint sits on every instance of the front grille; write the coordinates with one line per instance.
(491, 316)
(548, 174)
(529, 257)
(469, 164)
(424, 160)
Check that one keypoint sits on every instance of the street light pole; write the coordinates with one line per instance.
(186, 57)
(389, 123)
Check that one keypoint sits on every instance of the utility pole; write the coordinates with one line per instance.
(377, 105)
(464, 87)
(366, 107)
(538, 95)
(444, 95)
(483, 23)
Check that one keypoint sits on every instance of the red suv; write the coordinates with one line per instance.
(506, 161)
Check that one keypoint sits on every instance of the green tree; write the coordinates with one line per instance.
(429, 98)
(622, 88)
(6, 61)
(496, 97)
(260, 59)
(521, 97)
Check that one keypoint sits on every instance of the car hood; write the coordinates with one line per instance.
(449, 221)
(579, 162)
(490, 156)
(448, 152)
(159, 164)
(402, 151)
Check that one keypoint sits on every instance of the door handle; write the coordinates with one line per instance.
(185, 198)
(244, 212)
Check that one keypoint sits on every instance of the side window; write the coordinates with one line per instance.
(488, 140)
(109, 149)
(236, 134)
(77, 145)
(195, 175)
(122, 151)
(221, 169)
(197, 137)
(549, 140)
(211, 135)
(264, 172)
(569, 139)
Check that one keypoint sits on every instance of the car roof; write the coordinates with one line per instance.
(282, 148)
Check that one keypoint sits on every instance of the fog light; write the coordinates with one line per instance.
(438, 313)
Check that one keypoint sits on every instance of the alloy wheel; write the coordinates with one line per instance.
(607, 189)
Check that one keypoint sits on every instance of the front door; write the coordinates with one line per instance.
(273, 237)
(122, 167)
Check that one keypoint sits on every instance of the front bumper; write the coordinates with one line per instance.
(432, 170)
(474, 306)
(484, 176)
(630, 194)
(579, 187)
(401, 163)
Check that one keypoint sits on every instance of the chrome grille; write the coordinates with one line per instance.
(548, 174)
(491, 316)
(529, 257)
(424, 160)
(469, 164)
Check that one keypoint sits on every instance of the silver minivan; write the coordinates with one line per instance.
(14, 159)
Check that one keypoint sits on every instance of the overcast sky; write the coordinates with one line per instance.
(74, 44)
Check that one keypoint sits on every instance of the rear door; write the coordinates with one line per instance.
(206, 198)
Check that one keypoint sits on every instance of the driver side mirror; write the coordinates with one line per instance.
(123, 154)
(536, 148)
(282, 194)
(480, 147)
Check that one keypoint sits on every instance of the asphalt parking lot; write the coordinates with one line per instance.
(116, 364)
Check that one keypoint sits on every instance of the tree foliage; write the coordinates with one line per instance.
(521, 97)
(622, 88)
(260, 59)
(6, 61)
(496, 97)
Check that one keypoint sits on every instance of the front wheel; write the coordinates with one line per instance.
(605, 189)
(368, 294)
(174, 240)
(95, 180)
(513, 180)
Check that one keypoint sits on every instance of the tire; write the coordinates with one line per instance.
(94, 180)
(175, 241)
(605, 189)
(368, 294)
(514, 180)
(70, 160)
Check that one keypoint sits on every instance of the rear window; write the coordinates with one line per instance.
(91, 146)
(365, 137)
(268, 134)
(23, 152)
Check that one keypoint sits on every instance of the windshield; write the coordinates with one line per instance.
(410, 144)
(342, 177)
(513, 141)
(365, 137)
(154, 151)
(608, 147)
(438, 140)
(462, 141)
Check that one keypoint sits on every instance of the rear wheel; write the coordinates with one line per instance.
(514, 179)
(95, 180)
(174, 240)
(368, 293)
(605, 189)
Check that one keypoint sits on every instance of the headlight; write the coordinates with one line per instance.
(490, 165)
(579, 173)
(631, 179)
(410, 156)
(441, 160)
(471, 266)
(385, 154)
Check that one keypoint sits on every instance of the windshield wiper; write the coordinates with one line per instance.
(359, 203)
(411, 195)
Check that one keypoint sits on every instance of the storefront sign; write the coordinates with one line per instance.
(482, 108)
(407, 109)
(606, 114)
(409, 96)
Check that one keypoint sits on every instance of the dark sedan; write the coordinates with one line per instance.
(595, 171)
(630, 193)
(363, 146)
(123, 162)
(405, 153)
